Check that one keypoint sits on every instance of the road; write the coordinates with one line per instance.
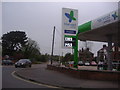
(9, 80)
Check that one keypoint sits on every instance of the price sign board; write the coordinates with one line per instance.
(69, 26)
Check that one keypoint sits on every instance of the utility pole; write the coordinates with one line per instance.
(52, 45)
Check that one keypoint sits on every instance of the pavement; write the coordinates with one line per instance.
(39, 73)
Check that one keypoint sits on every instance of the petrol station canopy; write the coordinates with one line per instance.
(101, 28)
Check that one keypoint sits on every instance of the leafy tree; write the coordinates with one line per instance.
(68, 57)
(13, 41)
(86, 55)
(43, 58)
(31, 49)
(47, 56)
(55, 57)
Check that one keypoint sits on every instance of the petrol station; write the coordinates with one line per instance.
(103, 29)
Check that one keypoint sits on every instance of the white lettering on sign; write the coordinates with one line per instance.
(72, 26)
(68, 39)
(68, 44)
(104, 20)
(69, 26)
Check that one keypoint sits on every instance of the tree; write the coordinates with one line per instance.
(68, 57)
(31, 49)
(86, 55)
(13, 41)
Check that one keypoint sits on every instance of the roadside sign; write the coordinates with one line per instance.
(69, 26)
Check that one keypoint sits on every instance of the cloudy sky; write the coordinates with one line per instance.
(38, 19)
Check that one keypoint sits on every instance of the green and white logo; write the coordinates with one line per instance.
(70, 16)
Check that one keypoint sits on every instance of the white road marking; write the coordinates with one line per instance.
(31, 81)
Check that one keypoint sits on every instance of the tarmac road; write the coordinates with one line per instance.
(39, 73)
(9, 80)
(48, 78)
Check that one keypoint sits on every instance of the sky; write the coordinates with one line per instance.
(38, 19)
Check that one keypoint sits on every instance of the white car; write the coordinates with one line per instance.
(80, 63)
(87, 63)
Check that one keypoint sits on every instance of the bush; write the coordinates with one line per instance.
(43, 58)
(37, 62)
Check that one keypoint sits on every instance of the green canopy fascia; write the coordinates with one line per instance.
(84, 27)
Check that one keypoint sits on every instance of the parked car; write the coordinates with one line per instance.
(80, 63)
(23, 63)
(7, 62)
(71, 63)
(93, 63)
(87, 63)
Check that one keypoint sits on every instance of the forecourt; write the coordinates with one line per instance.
(102, 29)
